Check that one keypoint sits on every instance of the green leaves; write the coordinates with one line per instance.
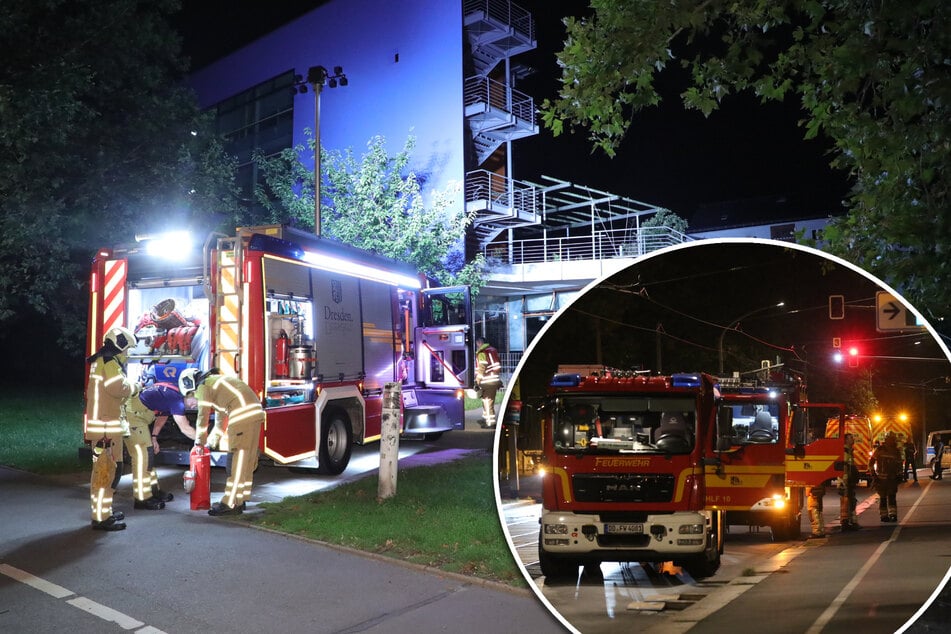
(375, 203)
(872, 77)
(96, 145)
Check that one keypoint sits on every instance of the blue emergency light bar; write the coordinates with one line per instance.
(277, 246)
(685, 380)
(566, 380)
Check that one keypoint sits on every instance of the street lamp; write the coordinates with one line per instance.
(736, 322)
(317, 77)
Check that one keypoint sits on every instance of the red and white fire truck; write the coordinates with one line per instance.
(625, 458)
(773, 446)
(315, 327)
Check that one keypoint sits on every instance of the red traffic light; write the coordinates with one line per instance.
(853, 357)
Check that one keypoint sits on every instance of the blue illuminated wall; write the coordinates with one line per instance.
(403, 60)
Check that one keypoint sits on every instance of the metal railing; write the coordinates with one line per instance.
(499, 96)
(509, 362)
(600, 245)
(498, 190)
(504, 12)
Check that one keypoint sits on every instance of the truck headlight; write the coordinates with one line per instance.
(691, 529)
(556, 529)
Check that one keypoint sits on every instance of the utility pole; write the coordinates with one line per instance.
(317, 77)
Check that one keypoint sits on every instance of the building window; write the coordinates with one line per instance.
(261, 118)
(783, 232)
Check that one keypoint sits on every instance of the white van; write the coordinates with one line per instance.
(929, 448)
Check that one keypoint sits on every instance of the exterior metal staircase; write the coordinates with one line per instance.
(497, 30)
(501, 203)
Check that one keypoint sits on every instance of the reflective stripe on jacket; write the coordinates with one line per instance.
(107, 390)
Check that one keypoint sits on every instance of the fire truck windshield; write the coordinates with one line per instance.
(608, 424)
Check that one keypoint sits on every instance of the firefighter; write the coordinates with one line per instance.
(936, 467)
(166, 400)
(848, 520)
(814, 504)
(140, 412)
(885, 464)
(488, 379)
(911, 453)
(107, 389)
(230, 397)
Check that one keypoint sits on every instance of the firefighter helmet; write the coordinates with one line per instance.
(122, 338)
(188, 381)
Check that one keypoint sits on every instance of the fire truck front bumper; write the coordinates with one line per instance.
(644, 536)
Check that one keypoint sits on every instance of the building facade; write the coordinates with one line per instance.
(445, 72)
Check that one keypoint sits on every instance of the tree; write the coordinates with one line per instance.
(871, 76)
(375, 204)
(857, 393)
(666, 218)
(99, 140)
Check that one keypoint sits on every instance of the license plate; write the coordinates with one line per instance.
(624, 529)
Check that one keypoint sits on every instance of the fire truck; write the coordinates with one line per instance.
(316, 328)
(626, 456)
(773, 445)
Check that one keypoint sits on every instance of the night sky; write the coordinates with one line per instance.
(667, 313)
(671, 158)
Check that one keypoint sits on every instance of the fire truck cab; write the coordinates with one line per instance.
(772, 445)
(624, 479)
(315, 327)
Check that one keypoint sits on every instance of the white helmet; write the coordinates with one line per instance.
(122, 338)
(188, 381)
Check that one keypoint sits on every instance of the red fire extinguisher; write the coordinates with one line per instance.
(197, 479)
(281, 365)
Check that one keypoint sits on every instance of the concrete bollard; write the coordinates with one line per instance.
(389, 441)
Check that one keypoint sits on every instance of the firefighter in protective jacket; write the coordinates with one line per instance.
(145, 488)
(488, 378)
(230, 397)
(885, 464)
(108, 387)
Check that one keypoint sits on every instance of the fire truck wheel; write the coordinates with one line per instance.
(707, 563)
(786, 528)
(556, 569)
(336, 442)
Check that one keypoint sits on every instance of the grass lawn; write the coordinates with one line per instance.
(41, 431)
(443, 516)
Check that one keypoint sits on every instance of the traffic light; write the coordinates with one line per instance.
(851, 353)
(853, 357)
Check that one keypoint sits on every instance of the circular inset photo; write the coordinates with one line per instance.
(727, 435)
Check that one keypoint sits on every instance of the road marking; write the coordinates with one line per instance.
(55, 591)
(106, 614)
(850, 587)
(124, 621)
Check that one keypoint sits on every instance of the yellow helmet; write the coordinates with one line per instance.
(120, 337)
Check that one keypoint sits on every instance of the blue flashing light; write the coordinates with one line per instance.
(277, 246)
(566, 380)
(685, 380)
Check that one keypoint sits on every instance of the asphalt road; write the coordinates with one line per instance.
(876, 580)
(179, 570)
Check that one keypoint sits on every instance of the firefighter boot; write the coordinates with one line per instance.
(151, 504)
(159, 494)
(108, 524)
(219, 508)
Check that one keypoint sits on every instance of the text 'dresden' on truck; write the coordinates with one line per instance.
(316, 328)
